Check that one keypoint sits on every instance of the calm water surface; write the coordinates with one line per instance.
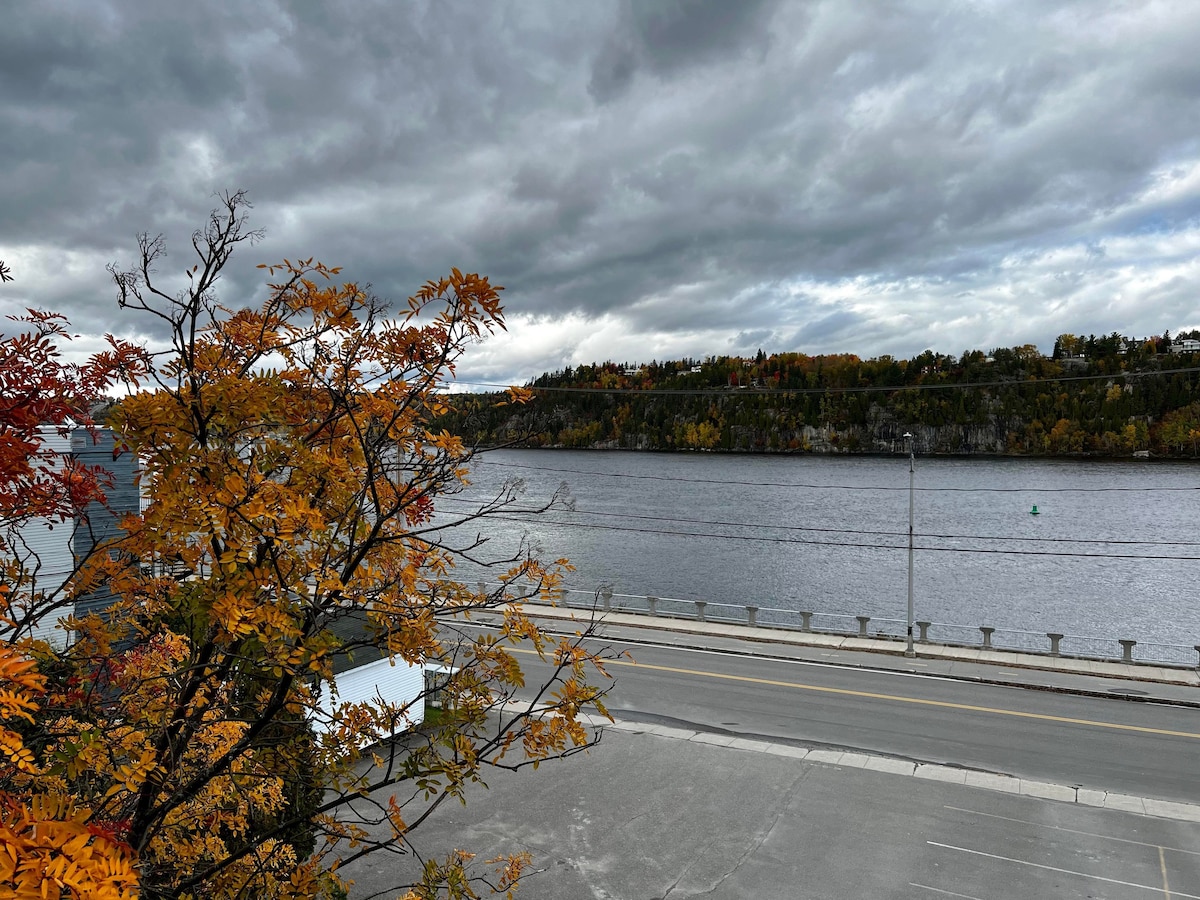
(829, 534)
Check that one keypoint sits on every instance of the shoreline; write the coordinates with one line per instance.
(864, 454)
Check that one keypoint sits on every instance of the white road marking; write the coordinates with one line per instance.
(1033, 865)
(1071, 830)
(926, 887)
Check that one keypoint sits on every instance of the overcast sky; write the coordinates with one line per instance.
(649, 179)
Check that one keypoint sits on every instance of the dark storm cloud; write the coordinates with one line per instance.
(665, 37)
(662, 176)
(843, 326)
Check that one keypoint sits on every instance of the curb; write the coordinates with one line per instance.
(977, 778)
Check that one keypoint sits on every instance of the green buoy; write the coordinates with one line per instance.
(1034, 511)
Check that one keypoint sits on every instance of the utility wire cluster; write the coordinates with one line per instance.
(845, 487)
(855, 389)
(635, 523)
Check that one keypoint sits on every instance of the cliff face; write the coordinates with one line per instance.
(1093, 419)
(984, 439)
(884, 433)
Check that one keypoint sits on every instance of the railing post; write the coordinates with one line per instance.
(862, 625)
(652, 605)
(700, 604)
(606, 598)
(1055, 640)
(1127, 650)
(806, 621)
(987, 636)
(752, 615)
(1197, 649)
(923, 628)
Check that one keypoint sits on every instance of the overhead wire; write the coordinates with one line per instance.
(856, 389)
(851, 544)
(845, 487)
(855, 531)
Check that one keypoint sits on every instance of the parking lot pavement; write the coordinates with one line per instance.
(647, 815)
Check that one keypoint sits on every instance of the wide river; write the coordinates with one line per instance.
(1113, 551)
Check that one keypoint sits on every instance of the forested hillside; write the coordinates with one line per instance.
(1095, 396)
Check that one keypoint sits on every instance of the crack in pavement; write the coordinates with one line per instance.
(782, 807)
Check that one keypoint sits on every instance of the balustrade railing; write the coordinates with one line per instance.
(981, 636)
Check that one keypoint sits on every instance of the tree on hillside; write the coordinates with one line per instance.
(1180, 429)
(291, 480)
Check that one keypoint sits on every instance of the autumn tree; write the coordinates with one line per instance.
(48, 843)
(1180, 429)
(291, 480)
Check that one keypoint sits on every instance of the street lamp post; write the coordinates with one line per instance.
(912, 474)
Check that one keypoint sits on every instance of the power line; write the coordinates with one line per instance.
(843, 487)
(850, 544)
(856, 531)
(867, 389)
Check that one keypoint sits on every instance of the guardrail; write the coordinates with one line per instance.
(983, 636)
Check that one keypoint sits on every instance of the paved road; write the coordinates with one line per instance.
(1147, 749)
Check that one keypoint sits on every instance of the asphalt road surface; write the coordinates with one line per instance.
(1147, 749)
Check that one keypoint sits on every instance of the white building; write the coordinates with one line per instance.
(42, 547)
(48, 549)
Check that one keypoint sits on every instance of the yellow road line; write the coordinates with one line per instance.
(846, 692)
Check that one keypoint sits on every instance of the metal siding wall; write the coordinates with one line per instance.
(399, 684)
(45, 546)
(101, 523)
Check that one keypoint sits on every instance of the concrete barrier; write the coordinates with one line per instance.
(1127, 650)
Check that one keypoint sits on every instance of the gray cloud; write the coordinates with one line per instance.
(666, 36)
(875, 177)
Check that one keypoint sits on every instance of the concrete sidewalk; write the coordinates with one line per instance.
(1135, 681)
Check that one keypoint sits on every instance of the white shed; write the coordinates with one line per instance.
(368, 675)
(394, 681)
